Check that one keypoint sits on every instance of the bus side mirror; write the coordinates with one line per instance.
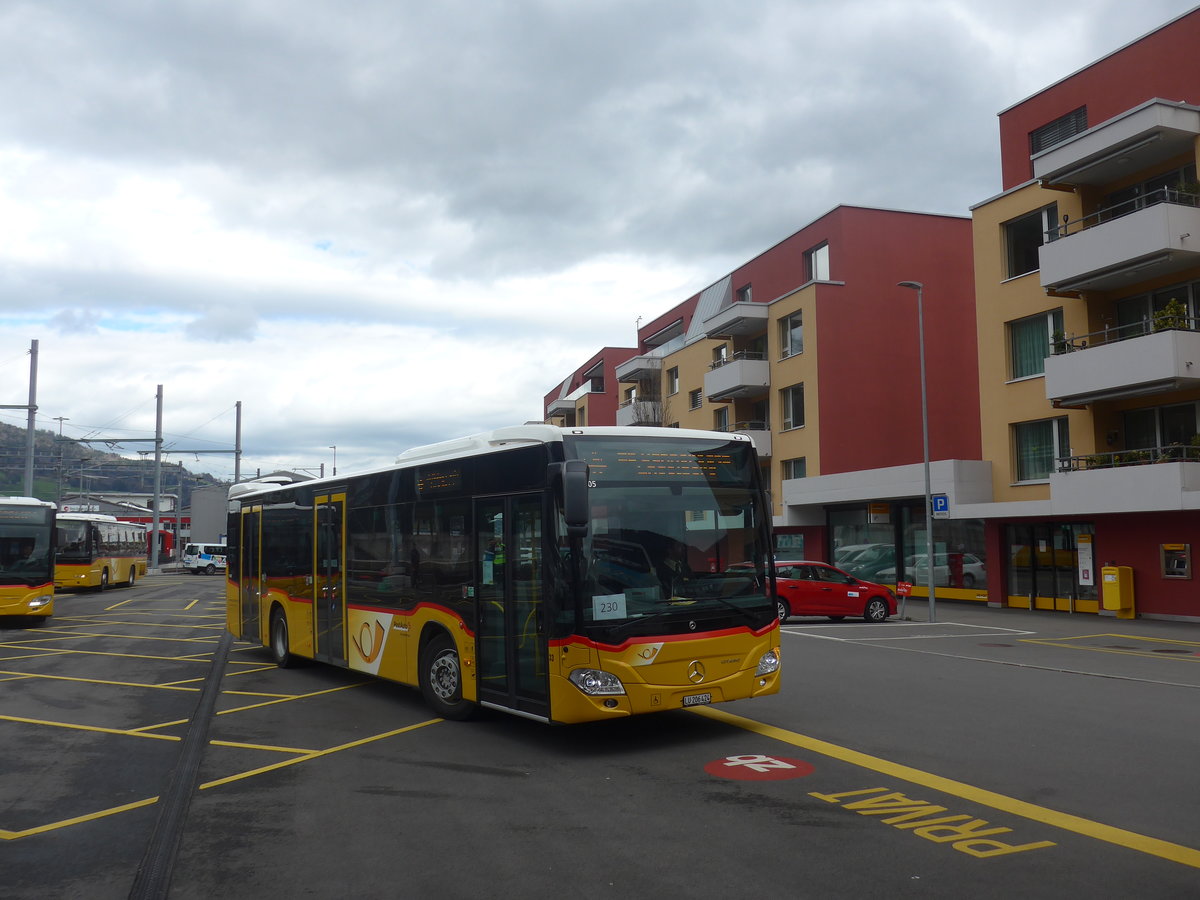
(576, 510)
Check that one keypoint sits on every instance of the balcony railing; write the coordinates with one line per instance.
(1117, 459)
(1125, 208)
(737, 357)
(1115, 334)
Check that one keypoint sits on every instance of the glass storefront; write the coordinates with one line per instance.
(1051, 565)
(886, 542)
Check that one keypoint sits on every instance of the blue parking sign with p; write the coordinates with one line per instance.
(941, 505)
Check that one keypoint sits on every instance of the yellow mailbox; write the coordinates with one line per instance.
(1117, 590)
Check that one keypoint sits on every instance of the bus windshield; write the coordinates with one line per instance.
(25, 534)
(73, 540)
(677, 539)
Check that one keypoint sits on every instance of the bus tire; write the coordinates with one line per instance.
(132, 579)
(103, 586)
(280, 646)
(442, 680)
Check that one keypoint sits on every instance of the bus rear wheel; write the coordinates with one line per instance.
(441, 679)
(132, 576)
(280, 645)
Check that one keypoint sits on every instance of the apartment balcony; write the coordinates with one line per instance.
(737, 320)
(1148, 364)
(759, 434)
(1123, 246)
(742, 375)
(640, 412)
(563, 406)
(640, 368)
(1135, 141)
(1158, 479)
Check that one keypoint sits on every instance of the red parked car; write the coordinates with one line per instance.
(807, 588)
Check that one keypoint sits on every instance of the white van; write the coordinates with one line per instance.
(204, 558)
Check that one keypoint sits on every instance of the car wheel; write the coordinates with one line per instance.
(782, 610)
(876, 611)
(441, 679)
(210, 569)
(280, 645)
(968, 580)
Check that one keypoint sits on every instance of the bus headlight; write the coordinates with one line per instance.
(768, 663)
(594, 682)
(39, 602)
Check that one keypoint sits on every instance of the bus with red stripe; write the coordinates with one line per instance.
(97, 551)
(26, 557)
(564, 575)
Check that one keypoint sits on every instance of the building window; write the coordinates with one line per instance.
(745, 294)
(1161, 427)
(1136, 315)
(816, 263)
(1038, 445)
(720, 355)
(791, 335)
(1030, 341)
(1023, 237)
(794, 468)
(791, 400)
(1061, 129)
(695, 398)
(721, 418)
(673, 380)
(630, 394)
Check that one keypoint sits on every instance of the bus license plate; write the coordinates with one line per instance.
(697, 699)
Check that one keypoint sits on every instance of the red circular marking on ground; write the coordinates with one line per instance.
(755, 767)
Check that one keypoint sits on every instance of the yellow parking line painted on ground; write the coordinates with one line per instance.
(158, 687)
(74, 727)
(287, 699)
(1067, 643)
(1188, 856)
(237, 745)
(41, 655)
(317, 753)
(100, 814)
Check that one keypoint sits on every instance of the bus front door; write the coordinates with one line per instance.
(250, 574)
(329, 583)
(511, 645)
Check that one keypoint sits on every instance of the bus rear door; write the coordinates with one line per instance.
(329, 585)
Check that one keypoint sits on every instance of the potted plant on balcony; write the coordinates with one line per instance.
(1172, 316)
(1058, 341)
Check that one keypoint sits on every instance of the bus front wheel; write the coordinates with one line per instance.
(132, 576)
(103, 586)
(280, 646)
(441, 679)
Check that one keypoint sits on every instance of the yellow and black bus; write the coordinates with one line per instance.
(97, 551)
(26, 557)
(565, 575)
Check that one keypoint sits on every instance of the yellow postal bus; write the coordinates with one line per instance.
(96, 551)
(565, 575)
(26, 557)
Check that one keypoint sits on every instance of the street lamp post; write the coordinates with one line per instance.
(333, 447)
(929, 559)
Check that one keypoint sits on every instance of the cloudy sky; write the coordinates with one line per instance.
(379, 224)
